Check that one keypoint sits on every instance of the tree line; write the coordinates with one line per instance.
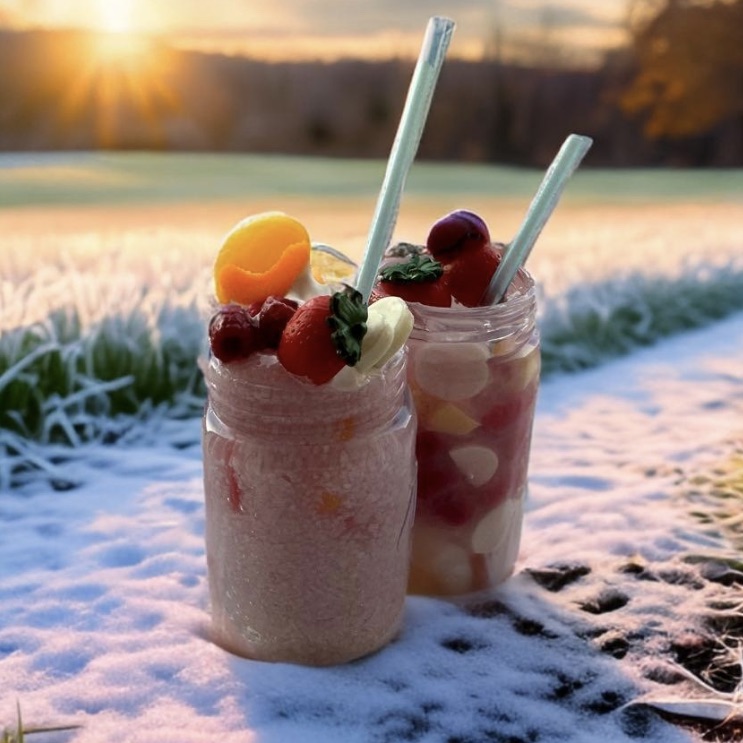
(673, 96)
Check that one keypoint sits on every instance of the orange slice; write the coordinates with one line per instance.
(261, 256)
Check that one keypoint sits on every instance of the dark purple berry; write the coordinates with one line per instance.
(273, 317)
(233, 335)
(457, 231)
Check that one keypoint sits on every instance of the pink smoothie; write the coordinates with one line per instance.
(309, 504)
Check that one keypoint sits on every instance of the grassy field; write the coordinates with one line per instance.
(117, 178)
(105, 270)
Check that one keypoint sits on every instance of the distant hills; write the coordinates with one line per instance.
(68, 90)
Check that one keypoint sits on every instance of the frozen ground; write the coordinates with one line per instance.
(621, 595)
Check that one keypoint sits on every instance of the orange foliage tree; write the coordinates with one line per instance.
(689, 65)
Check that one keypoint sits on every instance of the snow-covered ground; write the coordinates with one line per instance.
(104, 614)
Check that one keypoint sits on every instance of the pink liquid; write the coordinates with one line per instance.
(309, 504)
(474, 382)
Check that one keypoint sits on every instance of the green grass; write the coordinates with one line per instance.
(130, 178)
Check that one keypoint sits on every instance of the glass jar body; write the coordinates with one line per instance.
(474, 375)
(310, 493)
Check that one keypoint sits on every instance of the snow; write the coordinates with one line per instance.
(103, 594)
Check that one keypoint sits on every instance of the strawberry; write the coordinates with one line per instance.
(455, 232)
(419, 279)
(324, 334)
(233, 335)
(468, 273)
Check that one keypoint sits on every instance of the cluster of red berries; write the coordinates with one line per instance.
(457, 264)
(236, 332)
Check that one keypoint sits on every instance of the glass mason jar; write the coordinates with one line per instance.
(310, 495)
(474, 375)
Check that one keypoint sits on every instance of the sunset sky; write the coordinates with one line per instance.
(332, 28)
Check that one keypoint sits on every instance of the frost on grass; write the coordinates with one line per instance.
(91, 347)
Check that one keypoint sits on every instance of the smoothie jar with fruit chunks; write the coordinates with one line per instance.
(309, 463)
(474, 374)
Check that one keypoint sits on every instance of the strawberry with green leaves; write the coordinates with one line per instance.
(419, 279)
(323, 335)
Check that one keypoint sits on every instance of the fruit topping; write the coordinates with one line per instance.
(468, 273)
(419, 279)
(323, 335)
(330, 266)
(233, 334)
(401, 253)
(448, 418)
(272, 317)
(455, 232)
(388, 326)
(261, 256)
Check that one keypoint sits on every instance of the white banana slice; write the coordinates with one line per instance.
(452, 371)
(388, 326)
(498, 528)
(477, 463)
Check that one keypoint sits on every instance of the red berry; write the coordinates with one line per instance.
(233, 335)
(469, 271)
(457, 231)
(306, 347)
(272, 318)
(433, 293)
(419, 279)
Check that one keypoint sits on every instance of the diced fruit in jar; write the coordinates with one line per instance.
(438, 566)
(443, 489)
(452, 371)
(448, 418)
(261, 256)
(515, 374)
(497, 525)
(477, 463)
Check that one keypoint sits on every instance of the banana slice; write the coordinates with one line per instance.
(477, 463)
(380, 335)
(452, 371)
(497, 529)
(388, 326)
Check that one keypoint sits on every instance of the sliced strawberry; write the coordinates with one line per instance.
(469, 271)
(323, 335)
(455, 232)
(419, 279)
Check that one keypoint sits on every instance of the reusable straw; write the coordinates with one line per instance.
(543, 204)
(409, 131)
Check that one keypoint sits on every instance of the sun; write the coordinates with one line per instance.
(115, 16)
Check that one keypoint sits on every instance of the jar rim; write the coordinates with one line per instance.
(519, 309)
